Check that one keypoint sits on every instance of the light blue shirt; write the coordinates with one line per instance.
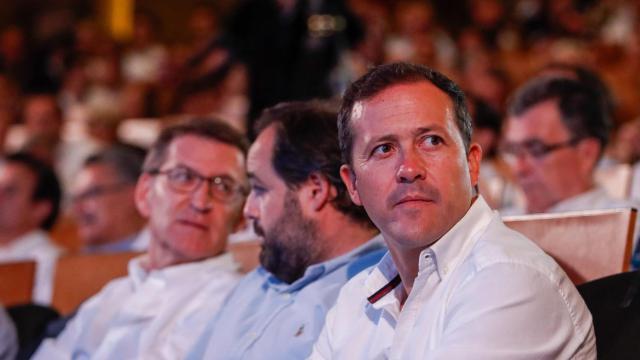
(265, 318)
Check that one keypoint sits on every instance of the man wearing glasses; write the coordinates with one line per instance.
(554, 136)
(555, 133)
(191, 190)
(103, 204)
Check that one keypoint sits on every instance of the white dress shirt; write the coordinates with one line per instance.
(35, 245)
(147, 315)
(594, 199)
(482, 291)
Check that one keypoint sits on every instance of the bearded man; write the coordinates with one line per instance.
(314, 239)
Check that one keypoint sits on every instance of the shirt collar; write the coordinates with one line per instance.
(26, 242)
(447, 252)
(582, 201)
(456, 244)
(177, 273)
(316, 271)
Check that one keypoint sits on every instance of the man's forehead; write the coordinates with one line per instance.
(542, 120)
(261, 151)
(416, 99)
(97, 174)
(204, 154)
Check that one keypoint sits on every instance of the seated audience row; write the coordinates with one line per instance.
(452, 281)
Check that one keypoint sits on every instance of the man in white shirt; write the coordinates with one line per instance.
(555, 134)
(456, 282)
(191, 190)
(29, 205)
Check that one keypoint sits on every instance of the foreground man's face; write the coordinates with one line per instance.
(410, 170)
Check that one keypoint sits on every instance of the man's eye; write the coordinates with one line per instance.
(182, 176)
(381, 149)
(536, 148)
(258, 190)
(223, 186)
(432, 140)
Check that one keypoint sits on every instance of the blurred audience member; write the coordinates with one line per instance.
(145, 59)
(191, 191)
(556, 133)
(43, 126)
(29, 204)
(625, 145)
(314, 239)
(8, 337)
(103, 201)
(496, 180)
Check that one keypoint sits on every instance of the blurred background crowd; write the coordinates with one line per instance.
(78, 76)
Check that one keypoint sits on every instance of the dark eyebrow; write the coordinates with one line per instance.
(415, 132)
(426, 129)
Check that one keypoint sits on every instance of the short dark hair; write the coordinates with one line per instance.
(306, 143)
(204, 127)
(384, 76)
(47, 186)
(581, 108)
(586, 76)
(125, 160)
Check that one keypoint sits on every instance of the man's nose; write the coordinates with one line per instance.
(250, 209)
(520, 163)
(201, 198)
(412, 168)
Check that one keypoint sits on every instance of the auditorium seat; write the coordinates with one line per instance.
(587, 244)
(78, 277)
(16, 282)
(614, 302)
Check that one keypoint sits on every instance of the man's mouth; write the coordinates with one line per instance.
(408, 199)
(194, 224)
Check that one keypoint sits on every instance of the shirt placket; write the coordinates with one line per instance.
(422, 289)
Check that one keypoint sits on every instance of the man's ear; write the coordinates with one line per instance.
(474, 157)
(141, 194)
(349, 179)
(589, 149)
(317, 192)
